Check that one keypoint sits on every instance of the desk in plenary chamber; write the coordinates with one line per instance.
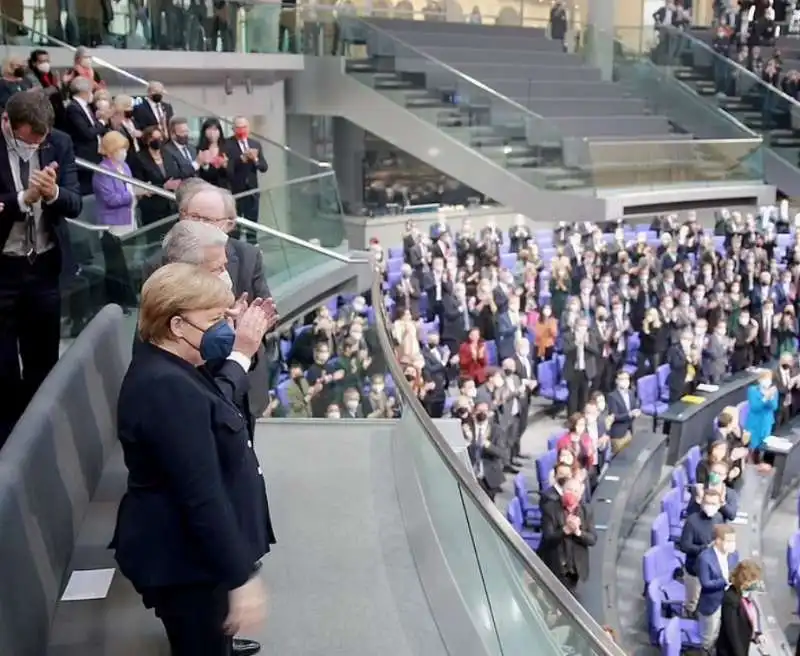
(691, 424)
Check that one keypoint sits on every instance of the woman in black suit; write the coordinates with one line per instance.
(160, 171)
(740, 623)
(212, 141)
(194, 521)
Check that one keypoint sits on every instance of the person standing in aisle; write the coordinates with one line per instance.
(38, 190)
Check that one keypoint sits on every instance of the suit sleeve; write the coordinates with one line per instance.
(260, 287)
(192, 473)
(261, 165)
(731, 624)
(588, 536)
(233, 382)
(113, 194)
(709, 582)
(687, 544)
(69, 202)
(552, 533)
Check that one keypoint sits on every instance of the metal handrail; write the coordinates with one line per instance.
(628, 142)
(258, 227)
(734, 64)
(469, 486)
(135, 78)
(449, 69)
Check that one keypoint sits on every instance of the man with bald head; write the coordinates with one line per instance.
(153, 111)
(245, 162)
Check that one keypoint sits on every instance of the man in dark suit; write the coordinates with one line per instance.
(153, 110)
(683, 360)
(406, 294)
(84, 128)
(180, 150)
(567, 533)
(456, 318)
(714, 567)
(245, 162)
(204, 202)
(580, 365)
(624, 407)
(38, 191)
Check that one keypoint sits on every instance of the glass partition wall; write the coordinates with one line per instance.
(514, 601)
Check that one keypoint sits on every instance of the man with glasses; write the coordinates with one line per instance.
(38, 190)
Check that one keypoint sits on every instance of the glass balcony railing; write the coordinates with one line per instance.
(284, 163)
(109, 266)
(706, 89)
(500, 127)
(514, 600)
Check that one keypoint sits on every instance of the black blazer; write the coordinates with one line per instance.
(243, 176)
(84, 133)
(179, 162)
(556, 548)
(153, 208)
(195, 510)
(57, 147)
(144, 117)
(736, 629)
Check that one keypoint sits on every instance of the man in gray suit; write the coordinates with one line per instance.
(179, 149)
(209, 204)
(716, 354)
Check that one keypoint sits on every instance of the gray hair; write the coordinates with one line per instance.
(188, 189)
(187, 241)
(79, 85)
(230, 203)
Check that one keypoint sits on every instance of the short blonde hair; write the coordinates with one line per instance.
(122, 103)
(103, 94)
(112, 142)
(173, 290)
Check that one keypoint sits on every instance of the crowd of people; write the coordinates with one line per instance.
(138, 137)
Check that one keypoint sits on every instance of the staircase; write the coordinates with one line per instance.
(502, 140)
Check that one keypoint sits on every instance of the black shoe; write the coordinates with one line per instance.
(511, 470)
(243, 647)
(524, 456)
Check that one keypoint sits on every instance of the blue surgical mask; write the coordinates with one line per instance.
(217, 341)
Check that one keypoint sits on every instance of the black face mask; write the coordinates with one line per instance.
(508, 372)
(481, 416)
(462, 413)
(157, 97)
(410, 377)
(181, 140)
(19, 72)
(155, 144)
(561, 481)
(785, 366)
(128, 113)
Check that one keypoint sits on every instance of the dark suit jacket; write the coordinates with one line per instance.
(181, 164)
(736, 629)
(712, 582)
(143, 115)
(591, 353)
(57, 147)
(556, 547)
(676, 359)
(623, 421)
(243, 176)
(84, 133)
(195, 511)
(153, 208)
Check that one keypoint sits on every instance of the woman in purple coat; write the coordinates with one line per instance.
(115, 200)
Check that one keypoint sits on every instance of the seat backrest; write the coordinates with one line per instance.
(514, 514)
(544, 373)
(520, 489)
(679, 478)
(49, 470)
(647, 389)
(693, 456)
(659, 533)
(544, 465)
(671, 504)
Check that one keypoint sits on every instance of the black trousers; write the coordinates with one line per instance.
(30, 330)
(192, 616)
(578, 389)
(247, 207)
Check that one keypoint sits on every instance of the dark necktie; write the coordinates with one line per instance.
(30, 221)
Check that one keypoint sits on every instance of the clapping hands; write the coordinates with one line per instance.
(252, 322)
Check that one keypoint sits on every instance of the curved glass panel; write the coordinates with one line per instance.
(513, 600)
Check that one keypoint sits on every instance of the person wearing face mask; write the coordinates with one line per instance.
(351, 404)
(437, 360)
(624, 407)
(485, 452)
(406, 293)
(194, 481)
(581, 352)
(327, 375)
(567, 533)
(13, 79)
(215, 164)
(154, 111)
(744, 336)
(765, 345)
(437, 285)
(697, 534)
(115, 198)
(185, 157)
(245, 162)
(714, 566)
(333, 411)
(377, 403)
(684, 361)
(740, 619)
(763, 400)
(40, 75)
(299, 393)
(788, 384)
(152, 167)
(545, 334)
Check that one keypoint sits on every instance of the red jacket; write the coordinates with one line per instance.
(587, 454)
(470, 367)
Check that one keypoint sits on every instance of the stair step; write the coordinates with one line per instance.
(392, 84)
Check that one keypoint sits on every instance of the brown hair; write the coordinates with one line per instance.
(572, 421)
(746, 572)
(148, 132)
